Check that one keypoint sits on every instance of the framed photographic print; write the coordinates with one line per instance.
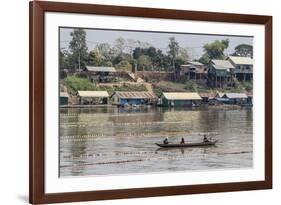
(132, 102)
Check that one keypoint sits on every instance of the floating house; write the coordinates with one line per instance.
(243, 67)
(64, 98)
(134, 98)
(236, 98)
(93, 97)
(176, 99)
(193, 70)
(220, 73)
(100, 73)
(250, 99)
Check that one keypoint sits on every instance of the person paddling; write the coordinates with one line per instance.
(182, 141)
(166, 140)
(205, 139)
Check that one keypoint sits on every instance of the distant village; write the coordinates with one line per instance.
(217, 74)
(208, 81)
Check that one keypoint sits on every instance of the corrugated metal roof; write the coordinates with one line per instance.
(238, 60)
(218, 67)
(207, 95)
(182, 96)
(100, 69)
(64, 94)
(223, 63)
(235, 95)
(195, 63)
(135, 95)
(93, 94)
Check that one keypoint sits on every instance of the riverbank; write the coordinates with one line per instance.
(150, 106)
(85, 106)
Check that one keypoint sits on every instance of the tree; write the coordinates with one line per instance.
(157, 58)
(63, 59)
(78, 49)
(120, 45)
(180, 61)
(121, 57)
(106, 51)
(173, 50)
(244, 50)
(205, 59)
(124, 65)
(214, 50)
(137, 52)
(131, 44)
(142, 44)
(144, 62)
(95, 58)
(183, 54)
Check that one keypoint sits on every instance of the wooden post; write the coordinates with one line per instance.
(216, 80)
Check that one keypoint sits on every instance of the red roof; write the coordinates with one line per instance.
(135, 95)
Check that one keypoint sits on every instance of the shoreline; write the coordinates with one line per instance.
(151, 106)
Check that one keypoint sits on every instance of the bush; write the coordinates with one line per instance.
(243, 86)
(124, 66)
(189, 86)
(75, 83)
(123, 87)
(248, 86)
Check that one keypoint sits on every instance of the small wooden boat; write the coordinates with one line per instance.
(197, 144)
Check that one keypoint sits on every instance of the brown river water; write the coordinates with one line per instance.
(114, 141)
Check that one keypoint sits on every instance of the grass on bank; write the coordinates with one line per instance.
(75, 83)
(189, 86)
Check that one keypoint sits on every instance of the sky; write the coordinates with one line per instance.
(193, 42)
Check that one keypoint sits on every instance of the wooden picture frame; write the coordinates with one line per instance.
(37, 97)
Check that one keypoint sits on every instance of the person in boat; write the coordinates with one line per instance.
(182, 141)
(205, 139)
(166, 140)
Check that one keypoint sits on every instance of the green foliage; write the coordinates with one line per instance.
(123, 87)
(97, 59)
(120, 45)
(205, 59)
(122, 57)
(75, 83)
(124, 65)
(106, 51)
(180, 60)
(78, 49)
(190, 87)
(158, 91)
(244, 86)
(168, 86)
(135, 52)
(248, 86)
(63, 59)
(183, 53)
(173, 50)
(243, 50)
(144, 62)
(214, 50)
(159, 61)
(173, 47)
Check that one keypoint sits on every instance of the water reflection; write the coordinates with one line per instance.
(110, 140)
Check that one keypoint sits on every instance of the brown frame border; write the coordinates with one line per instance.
(37, 9)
